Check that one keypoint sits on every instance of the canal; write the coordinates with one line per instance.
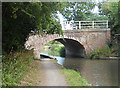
(97, 72)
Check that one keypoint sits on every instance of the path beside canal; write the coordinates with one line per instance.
(51, 74)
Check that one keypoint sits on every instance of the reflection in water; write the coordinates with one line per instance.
(97, 72)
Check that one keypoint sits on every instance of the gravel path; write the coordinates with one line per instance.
(50, 74)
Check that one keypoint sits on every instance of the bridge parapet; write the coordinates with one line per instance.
(73, 25)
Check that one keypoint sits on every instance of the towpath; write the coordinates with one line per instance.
(51, 74)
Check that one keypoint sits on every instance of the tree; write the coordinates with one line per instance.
(98, 17)
(19, 18)
(111, 9)
(77, 10)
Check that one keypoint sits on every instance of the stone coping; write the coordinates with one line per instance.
(87, 30)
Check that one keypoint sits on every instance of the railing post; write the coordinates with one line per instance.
(107, 24)
(88, 24)
(66, 22)
(92, 24)
(79, 24)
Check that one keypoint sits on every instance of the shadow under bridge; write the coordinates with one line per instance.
(72, 48)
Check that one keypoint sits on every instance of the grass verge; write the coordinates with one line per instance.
(32, 78)
(74, 78)
(15, 67)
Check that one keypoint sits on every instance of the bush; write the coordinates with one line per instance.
(56, 48)
(98, 53)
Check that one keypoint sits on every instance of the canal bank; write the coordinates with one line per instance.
(46, 73)
(50, 73)
(54, 74)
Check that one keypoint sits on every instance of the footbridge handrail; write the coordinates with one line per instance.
(71, 25)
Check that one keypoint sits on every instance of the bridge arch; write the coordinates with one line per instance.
(73, 48)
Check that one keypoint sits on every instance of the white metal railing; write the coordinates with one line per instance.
(71, 25)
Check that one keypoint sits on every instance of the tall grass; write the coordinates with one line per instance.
(14, 67)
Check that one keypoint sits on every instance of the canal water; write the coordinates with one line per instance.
(97, 72)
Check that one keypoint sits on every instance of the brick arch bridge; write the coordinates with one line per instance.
(76, 42)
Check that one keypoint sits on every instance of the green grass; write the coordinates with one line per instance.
(74, 78)
(55, 63)
(14, 67)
